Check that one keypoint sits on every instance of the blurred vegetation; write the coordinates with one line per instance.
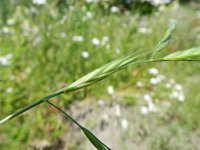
(47, 42)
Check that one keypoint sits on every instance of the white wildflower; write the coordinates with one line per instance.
(39, 2)
(114, 9)
(110, 90)
(89, 14)
(35, 29)
(85, 54)
(154, 81)
(9, 56)
(5, 30)
(117, 110)
(175, 5)
(175, 94)
(178, 87)
(144, 30)
(101, 102)
(153, 71)
(162, 8)
(160, 2)
(104, 40)
(9, 90)
(105, 117)
(127, 13)
(63, 20)
(117, 50)
(63, 35)
(71, 7)
(152, 107)
(10, 22)
(172, 21)
(160, 77)
(168, 85)
(26, 27)
(178, 95)
(147, 98)
(139, 84)
(89, 1)
(78, 38)
(172, 81)
(33, 10)
(95, 41)
(144, 110)
(37, 40)
(181, 97)
(124, 124)
(5, 60)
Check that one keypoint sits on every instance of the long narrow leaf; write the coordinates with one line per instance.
(166, 38)
(188, 54)
(92, 138)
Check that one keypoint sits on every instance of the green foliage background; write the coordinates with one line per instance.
(44, 59)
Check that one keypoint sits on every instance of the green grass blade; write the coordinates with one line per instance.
(166, 39)
(110, 67)
(92, 138)
(188, 54)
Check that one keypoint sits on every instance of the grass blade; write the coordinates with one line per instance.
(188, 54)
(166, 39)
(92, 138)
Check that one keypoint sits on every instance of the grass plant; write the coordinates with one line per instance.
(138, 57)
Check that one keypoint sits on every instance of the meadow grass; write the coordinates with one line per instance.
(45, 55)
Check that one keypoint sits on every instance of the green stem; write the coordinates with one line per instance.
(65, 114)
(26, 108)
